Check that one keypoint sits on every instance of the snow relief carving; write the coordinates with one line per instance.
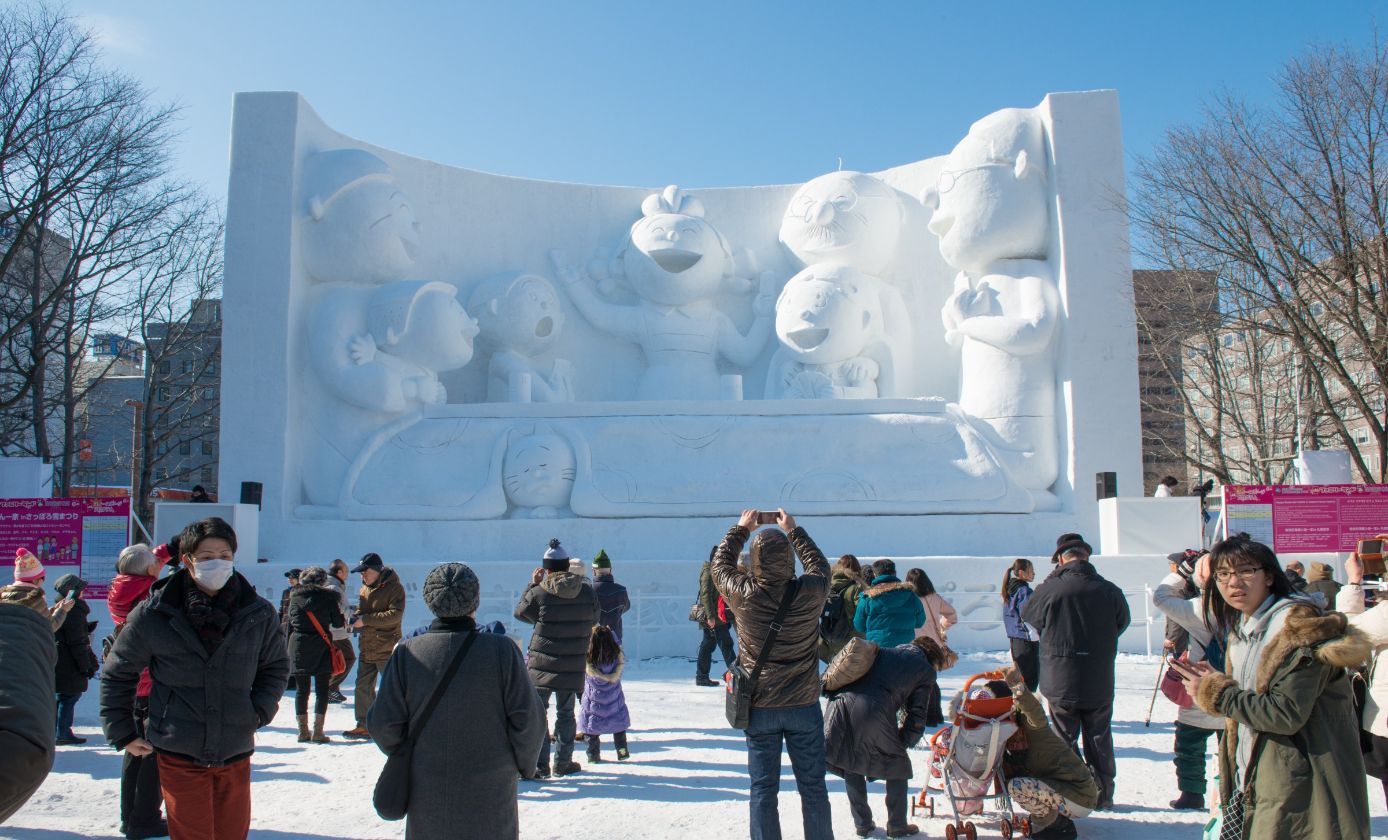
(676, 262)
(991, 212)
(520, 317)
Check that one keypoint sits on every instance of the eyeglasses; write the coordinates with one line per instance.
(1244, 573)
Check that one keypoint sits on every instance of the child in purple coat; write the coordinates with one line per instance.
(604, 707)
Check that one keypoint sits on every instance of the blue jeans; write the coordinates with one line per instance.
(802, 728)
(67, 709)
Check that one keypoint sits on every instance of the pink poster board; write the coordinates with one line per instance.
(1307, 519)
(78, 536)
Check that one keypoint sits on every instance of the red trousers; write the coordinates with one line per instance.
(206, 803)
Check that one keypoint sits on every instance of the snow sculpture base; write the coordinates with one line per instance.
(655, 459)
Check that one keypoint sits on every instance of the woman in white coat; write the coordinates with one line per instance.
(1374, 622)
(1194, 726)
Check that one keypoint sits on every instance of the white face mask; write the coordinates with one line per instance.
(211, 574)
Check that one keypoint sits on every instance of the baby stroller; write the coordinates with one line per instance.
(966, 762)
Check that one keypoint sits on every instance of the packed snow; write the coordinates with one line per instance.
(686, 777)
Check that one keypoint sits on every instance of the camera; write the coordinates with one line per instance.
(767, 517)
(1371, 555)
(1185, 566)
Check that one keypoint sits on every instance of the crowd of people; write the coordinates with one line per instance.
(1258, 656)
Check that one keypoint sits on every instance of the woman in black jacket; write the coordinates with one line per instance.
(76, 661)
(310, 647)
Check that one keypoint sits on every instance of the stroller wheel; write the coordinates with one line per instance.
(1006, 829)
(970, 832)
(950, 832)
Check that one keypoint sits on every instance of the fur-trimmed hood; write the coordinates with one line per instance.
(884, 588)
(615, 676)
(1329, 635)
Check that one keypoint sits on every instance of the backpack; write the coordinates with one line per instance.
(835, 627)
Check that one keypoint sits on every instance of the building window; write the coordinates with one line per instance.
(206, 475)
(162, 394)
(1361, 435)
(207, 447)
(187, 365)
(164, 368)
(211, 368)
(209, 393)
(185, 448)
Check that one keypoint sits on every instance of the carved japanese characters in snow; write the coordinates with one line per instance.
(844, 217)
(991, 213)
(415, 329)
(357, 227)
(538, 474)
(520, 317)
(829, 322)
(677, 263)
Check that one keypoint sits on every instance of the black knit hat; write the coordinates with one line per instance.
(1066, 542)
(556, 558)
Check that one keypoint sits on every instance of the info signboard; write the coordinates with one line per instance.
(78, 536)
(1307, 518)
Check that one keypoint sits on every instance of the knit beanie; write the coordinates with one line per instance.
(602, 561)
(69, 583)
(556, 559)
(452, 591)
(27, 567)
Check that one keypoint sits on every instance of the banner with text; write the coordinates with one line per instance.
(69, 536)
(1307, 518)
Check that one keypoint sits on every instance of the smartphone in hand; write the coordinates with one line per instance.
(767, 517)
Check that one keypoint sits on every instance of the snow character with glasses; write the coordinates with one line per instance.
(844, 326)
(991, 207)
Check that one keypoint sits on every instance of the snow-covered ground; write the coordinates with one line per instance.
(686, 777)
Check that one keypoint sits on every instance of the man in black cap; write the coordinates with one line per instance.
(380, 613)
(563, 609)
(1080, 617)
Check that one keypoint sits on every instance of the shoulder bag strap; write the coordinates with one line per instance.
(417, 725)
(319, 627)
(775, 628)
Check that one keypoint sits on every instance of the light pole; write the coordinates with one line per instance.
(136, 456)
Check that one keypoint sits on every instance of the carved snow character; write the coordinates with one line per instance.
(520, 318)
(829, 322)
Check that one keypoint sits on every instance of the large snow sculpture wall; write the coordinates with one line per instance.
(418, 356)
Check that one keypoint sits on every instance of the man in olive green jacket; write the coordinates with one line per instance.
(379, 617)
(716, 631)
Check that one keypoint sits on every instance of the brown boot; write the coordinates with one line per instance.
(358, 731)
(303, 728)
(319, 737)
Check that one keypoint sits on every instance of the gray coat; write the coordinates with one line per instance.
(28, 717)
(204, 708)
(563, 609)
(483, 735)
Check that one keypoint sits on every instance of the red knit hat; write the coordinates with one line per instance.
(27, 567)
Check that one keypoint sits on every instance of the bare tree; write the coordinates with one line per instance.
(85, 198)
(1287, 208)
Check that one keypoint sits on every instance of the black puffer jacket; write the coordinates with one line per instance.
(202, 707)
(28, 717)
(563, 609)
(1080, 617)
(861, 734)
(76, 662)
(308, 653)
(791, 674)
(613, 602)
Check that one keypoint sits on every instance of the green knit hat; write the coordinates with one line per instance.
(602, 561)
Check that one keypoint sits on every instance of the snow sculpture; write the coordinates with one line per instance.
(359, 227)
(538, 474)
(991, 212)
(844, 217)
(852, 219)
(520, 318)
(676, 262)
(376, 354)
(829, 322)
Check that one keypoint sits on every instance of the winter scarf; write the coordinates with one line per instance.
(210, 615)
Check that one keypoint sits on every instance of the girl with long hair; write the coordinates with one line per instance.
(1026, 648)
(1290, 744)
(939, 615)
(603, 710)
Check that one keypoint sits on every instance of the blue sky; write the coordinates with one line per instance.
(695, 93)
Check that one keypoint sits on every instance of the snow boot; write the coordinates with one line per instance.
(705, 681)
(359, 731)
(908, 830)
(567, 768)
(1061, 829)
(623, 753)
(1188, 802)
(866, 830)
(319, 736)
(68, 739)
(303, 728)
